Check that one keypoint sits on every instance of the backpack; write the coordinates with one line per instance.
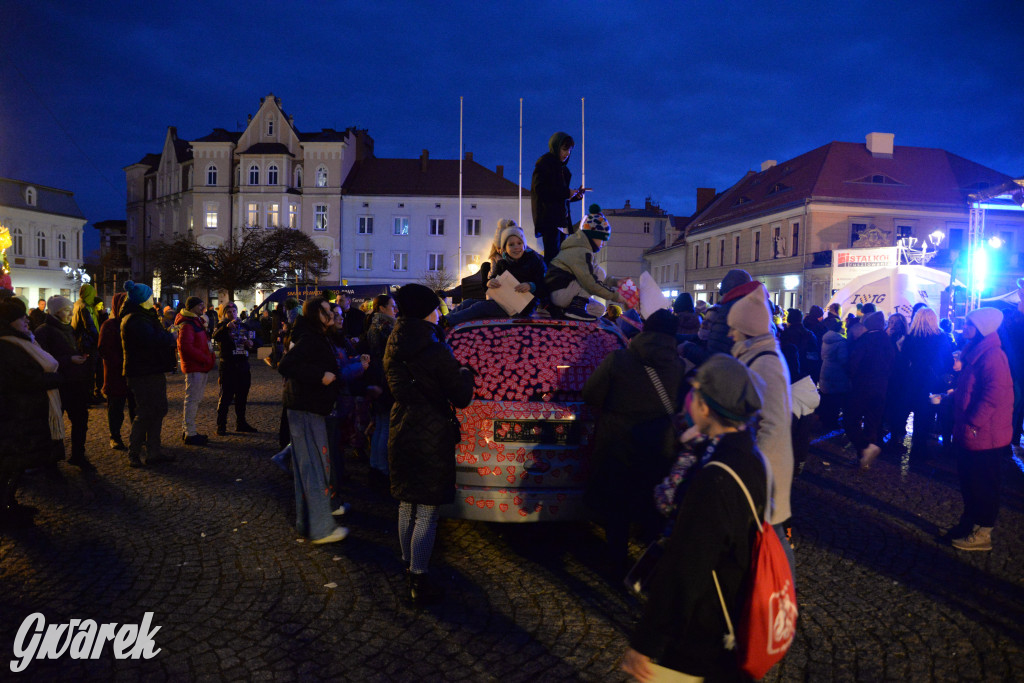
(769, 612)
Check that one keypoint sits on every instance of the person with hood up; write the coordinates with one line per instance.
(196, 362)
(427, 384)
(550, 194)
(871, 359)
(982, 427)
(754, 345)
(57, 337)
(719, 340)
(636, 393)
(689, 319)
(148, 356)
(574, 271)
(115, 388)
(32, 418)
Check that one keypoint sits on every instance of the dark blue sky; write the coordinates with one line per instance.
(678, 94)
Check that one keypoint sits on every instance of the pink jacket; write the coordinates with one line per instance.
(983, 401)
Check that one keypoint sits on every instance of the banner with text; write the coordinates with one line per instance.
(850, 263)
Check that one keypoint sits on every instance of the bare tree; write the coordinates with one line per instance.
(438, 280)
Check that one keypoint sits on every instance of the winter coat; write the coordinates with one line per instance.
(114, 385)
(835, 364)
(376, 339)
(193, 344)
(59, 340)
(83, 320)
(806, 346)
(426, 382)
(634, 439)
(871, 360)
(929, 361)
(718, 339)
(353, 323)
(528, 268)
(689, 322)
(148, 347)
(231, 340)
(682, 626)
(983, 400)
(550, 190)
(303, 368)
(575, 261)
(774, 433)
(25, 419)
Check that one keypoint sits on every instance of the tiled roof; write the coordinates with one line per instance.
(325, 135)
(221, 135)
(48, 199)
(268, 148)
(405, 177)
(847, 171)
(182, 150)
(151, 160)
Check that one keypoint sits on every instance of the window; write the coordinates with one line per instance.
(364, 260)
(435, 262)
(298, 177)
(471, 260)
(254, 175)
(696, 256)
(707, 254)
(270, 131)
(325, 261)
(211, 216)
(473, 227)
(18, 238)
(272, 174)
(778, 245)
(721, 252)
(736, 249)
(30, 196)
(40, 244)
(365, 225)
(796, 240)
(252, 214)
(436, 226)
(62, 247)
(956, 237)
(293, 216)
(131, 227)
(149, 227)
(400, 261)
(321, 177)
(675, 275)
(647, 227)
(757, 246)
(273, 215)
(320, 217)
(401, 225)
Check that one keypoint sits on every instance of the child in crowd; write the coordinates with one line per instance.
(523, 263)
(574, 270)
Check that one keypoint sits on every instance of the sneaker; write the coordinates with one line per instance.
(117, 445)
(338, 534)
(578, 309)
(195, 440)
(244, 426)
(423, 590)
(342, 510)
(979, 539)
(869, 455)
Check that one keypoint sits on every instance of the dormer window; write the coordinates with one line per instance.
(270, 128)
(321, 177)
(742, 200)
(30, 196)
(877, 179)
(778, 187)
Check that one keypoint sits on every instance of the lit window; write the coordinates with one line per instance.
(471, 260)
(254, 175)
(252, 214)
(272, 174)
(401, 226)
(211, 216)
(320, 217)
(273, 215)
(321, 177)
(435, 262)
(364, 260)
(473, 227)
(400, 261)
(293, 216)
(365, 225)
(40, 244)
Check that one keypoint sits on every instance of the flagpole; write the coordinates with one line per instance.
(520, 162)
(583, 153)
(459, 268)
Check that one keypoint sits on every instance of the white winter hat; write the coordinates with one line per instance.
(986, 319)
(750, 314)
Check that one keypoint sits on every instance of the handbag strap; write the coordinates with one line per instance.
(660, 388)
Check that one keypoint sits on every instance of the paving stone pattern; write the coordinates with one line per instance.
(207, 544)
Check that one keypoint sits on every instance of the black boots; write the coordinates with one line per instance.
(424, 591)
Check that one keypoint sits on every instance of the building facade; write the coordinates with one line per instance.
(110, 266)
(634, 232)
(46, 236)
(782, 223)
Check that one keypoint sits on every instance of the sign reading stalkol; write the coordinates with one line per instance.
(81, 639)
(850, 263)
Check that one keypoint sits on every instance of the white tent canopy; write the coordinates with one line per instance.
(895, 289)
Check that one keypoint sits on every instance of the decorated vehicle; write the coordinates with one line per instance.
(527, 436)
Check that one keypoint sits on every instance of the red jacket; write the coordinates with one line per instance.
(194, 344)
(983, 401)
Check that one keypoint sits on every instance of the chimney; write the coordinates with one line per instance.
(500, 171)
(880, 145)
(765, 165)
(469, 156)
(423, 161)
(647, 203)
(627, 204)
(705, 195)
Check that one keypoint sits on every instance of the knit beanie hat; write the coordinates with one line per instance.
(192, 301)
(725, 385)
(794, 316)
(683, 303)
(56, 303)
(594, 225)
(12, 310)
(663, 321)
(138, 292)
(874, 321)
(736, 276)
(815, 312)
(416, 301)
(740, 291)
(986, 319)
(750, 314)
(506, 228)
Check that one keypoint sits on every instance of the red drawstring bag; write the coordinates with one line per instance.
(768, 621)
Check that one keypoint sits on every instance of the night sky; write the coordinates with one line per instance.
(678, 94)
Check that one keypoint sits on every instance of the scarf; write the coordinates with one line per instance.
(49, 364)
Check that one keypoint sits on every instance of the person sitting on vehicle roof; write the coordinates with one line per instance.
(573, 271)
(523, 263)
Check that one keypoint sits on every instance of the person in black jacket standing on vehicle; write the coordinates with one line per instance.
(550, 194)
(311, 371)
(235, 376)
(427, 384)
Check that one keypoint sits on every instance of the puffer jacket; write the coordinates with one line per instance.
(983, 400)
(148, 347)
(426, 382)
(193, 343)
(835, 364)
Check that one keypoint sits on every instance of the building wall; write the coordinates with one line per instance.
(31, 271)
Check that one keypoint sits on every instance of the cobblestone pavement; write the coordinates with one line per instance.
(206, 544)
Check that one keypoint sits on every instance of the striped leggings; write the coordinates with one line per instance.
(417, 527)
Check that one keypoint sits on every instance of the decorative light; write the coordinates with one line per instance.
(790, 282)
(936, 238)
(995, 242)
